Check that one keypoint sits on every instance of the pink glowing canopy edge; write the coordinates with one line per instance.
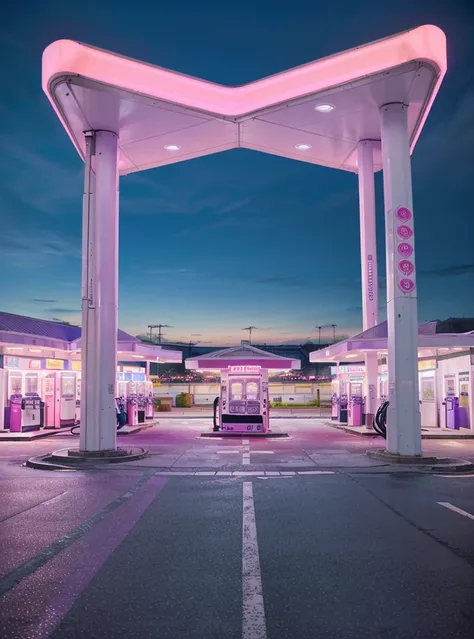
(66, 57)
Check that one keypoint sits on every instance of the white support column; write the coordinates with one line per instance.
(368, 253)
(100, 293)
(403, 419)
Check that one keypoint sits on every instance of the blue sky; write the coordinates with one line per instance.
(198, 240)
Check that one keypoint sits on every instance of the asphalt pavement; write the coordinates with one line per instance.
(298, 537)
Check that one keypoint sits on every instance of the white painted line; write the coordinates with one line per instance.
(171, 472)
(455, 476)
(248, 473)
(54, 499)
(245, 459)
(455, 509)
(287, 472)
(228, 452)
(263, 452)
(253, 611)
(280, 477)
(246, 442)
(315, 472)
(272, 472)
(207, 473)
(224, 472)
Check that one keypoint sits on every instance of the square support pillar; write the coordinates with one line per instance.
(368, 253)
(99, 293)
(403, 417)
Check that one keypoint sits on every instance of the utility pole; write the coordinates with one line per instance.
(160, 333)
(319, 333)
(190, 346)
(250, 329)
(333, 332)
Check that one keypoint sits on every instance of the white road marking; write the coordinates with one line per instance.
(228, 452)
(245, 459)
(54, 499)
(280, 477)
(315, 472)
(248, 473)
(456, 476)
(455, 509)
(246, 442)
(205, 472)
(253, 611)
(263, 452)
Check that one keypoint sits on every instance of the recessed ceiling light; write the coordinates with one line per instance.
(303, 147)
(324, 108)
(172, 147)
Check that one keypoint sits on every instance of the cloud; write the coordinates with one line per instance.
(170, 271)
(450, 271)
(36, 247)
(63, 311)
(234, 206)
(32, 179)
(281, 280)
(41, 301)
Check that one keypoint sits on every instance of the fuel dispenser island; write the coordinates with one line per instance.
(243, 404)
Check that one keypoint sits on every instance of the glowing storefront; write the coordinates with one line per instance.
(445, 375)
(40, 371)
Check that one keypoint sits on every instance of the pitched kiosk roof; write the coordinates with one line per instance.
(432, 341)
(162, 117)
(243, 355)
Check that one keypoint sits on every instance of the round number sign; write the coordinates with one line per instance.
(404, 232)
(406, 285)
(404, 214)
(404, 249)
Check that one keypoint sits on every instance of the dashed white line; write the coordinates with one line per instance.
(455, 509)
(254, 625)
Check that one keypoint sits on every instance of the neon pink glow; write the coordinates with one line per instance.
(65, 57)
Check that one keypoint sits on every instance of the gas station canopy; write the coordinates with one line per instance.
(22, 336)
(431, 343)
(315, 113)
(244, 356)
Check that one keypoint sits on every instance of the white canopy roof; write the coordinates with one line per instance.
(163, 117)
(430, 344)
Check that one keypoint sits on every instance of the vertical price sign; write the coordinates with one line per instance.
(404, 251)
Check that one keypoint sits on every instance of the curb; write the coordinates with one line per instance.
(226, 435)
(352, 431)
(434, 464)
(61, 460)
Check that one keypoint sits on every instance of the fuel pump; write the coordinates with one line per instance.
(132, 404)
(244, 405)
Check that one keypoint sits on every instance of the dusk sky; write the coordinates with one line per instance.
(198, 239)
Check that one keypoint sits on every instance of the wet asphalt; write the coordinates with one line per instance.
(126, 552)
